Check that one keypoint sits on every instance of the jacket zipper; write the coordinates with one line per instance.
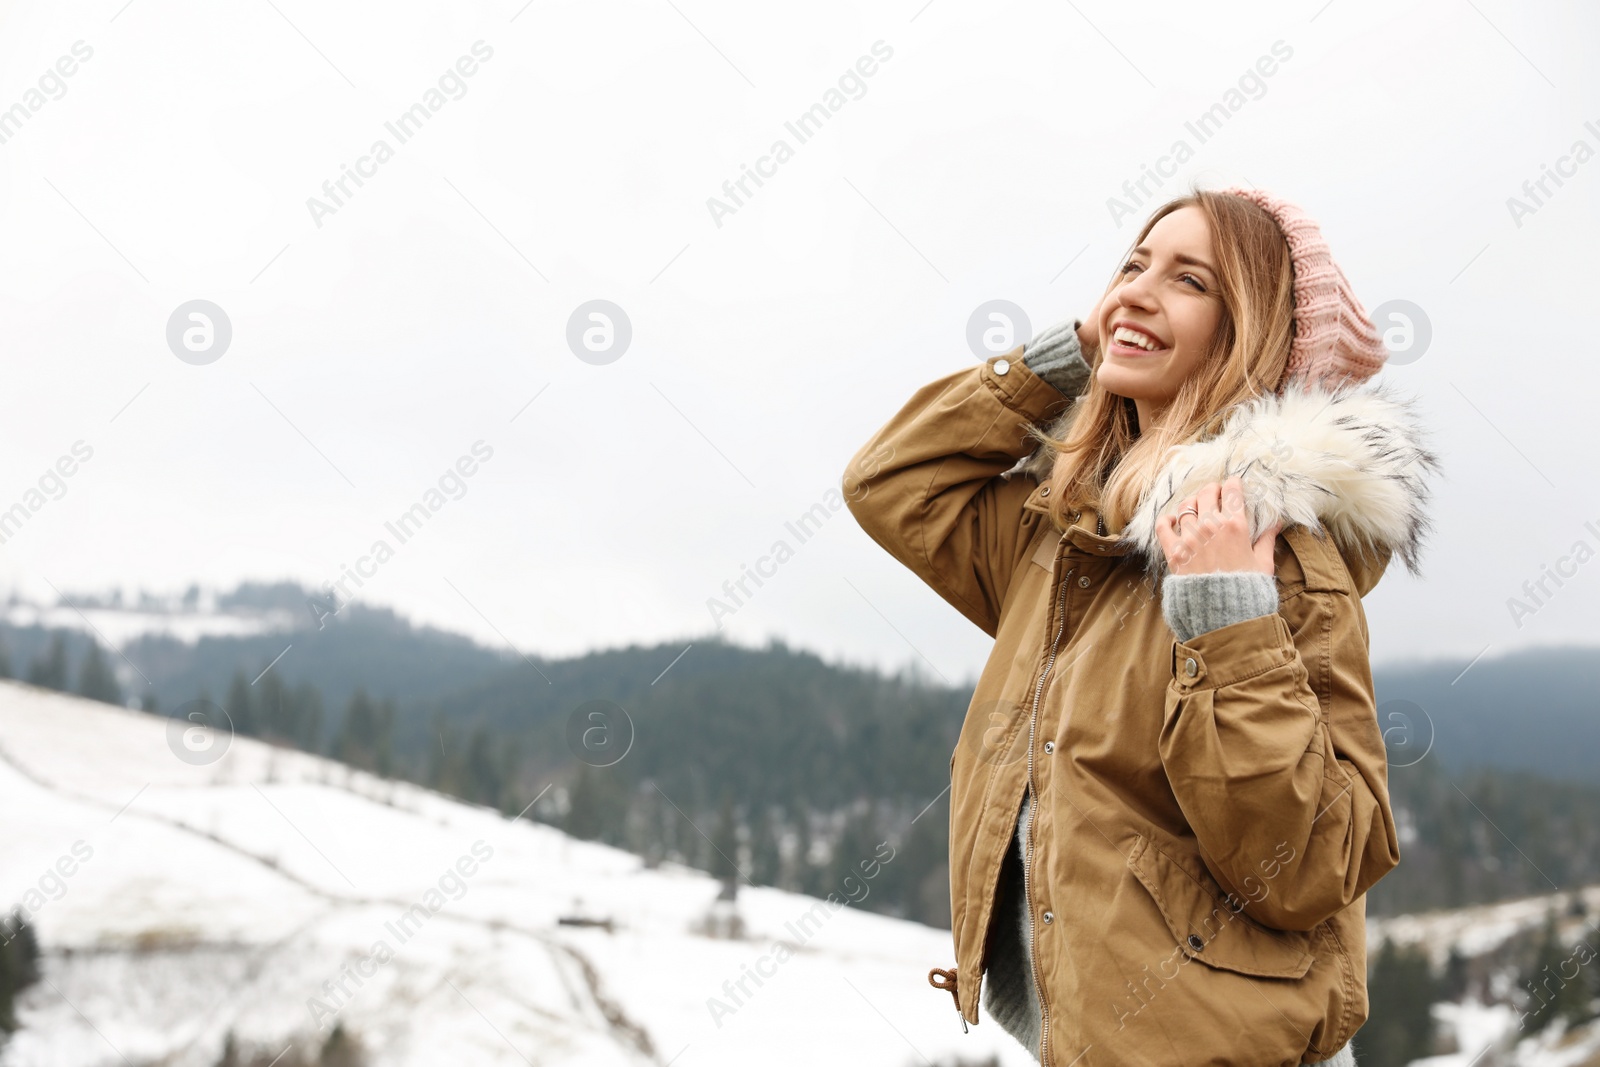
(1027, 865)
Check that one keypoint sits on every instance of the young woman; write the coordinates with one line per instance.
(1169, 796)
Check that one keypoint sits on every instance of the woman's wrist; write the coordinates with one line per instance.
(1194, 604)
(1056, 355)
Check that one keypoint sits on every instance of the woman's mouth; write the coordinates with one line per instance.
(1126, 341)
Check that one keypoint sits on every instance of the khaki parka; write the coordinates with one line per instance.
(1209, 815)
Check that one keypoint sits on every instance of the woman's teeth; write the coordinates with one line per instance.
(1135, 338)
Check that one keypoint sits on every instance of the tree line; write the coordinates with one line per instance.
(776, 768)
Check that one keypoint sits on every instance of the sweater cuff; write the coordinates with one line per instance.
(1057, 356)
(1199, 603)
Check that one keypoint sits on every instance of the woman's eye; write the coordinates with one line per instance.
(1198, 284)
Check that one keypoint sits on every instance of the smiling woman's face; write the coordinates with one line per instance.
(1169, 293)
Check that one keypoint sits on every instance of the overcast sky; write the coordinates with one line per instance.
(379, 332)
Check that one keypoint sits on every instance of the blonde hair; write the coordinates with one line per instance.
(1102, 461)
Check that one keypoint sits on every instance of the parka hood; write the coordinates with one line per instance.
(1348, 459)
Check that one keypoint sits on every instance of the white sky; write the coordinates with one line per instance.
(370, 353)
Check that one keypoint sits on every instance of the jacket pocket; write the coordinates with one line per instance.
(1207, 927)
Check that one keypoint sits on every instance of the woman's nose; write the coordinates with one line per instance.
(1137, 293)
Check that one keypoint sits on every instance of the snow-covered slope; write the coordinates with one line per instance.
(1483, 927)
(273, 893)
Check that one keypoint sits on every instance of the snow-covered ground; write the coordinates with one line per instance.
(273, 893)
(1487, 1035)
(1483, 927)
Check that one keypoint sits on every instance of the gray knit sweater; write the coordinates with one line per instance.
(1192, 604)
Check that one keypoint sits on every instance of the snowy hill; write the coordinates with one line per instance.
(273, 893)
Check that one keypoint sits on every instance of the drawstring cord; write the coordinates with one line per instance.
(949, 983)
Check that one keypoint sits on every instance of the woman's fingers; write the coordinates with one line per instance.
(1210, 531)
(1264, 546)
(1170, 537)
(1233, 495)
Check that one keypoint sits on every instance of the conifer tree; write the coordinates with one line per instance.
(341, 1049)
(383, 744)
(444, 758)
(510, 749)
(358, 735)
(19, 965)
(277, 711)
(95, 678)
(241, 706)
(801, 877)
(764, 858)
(307, 717)
(644, 825)
(1556, 985)
(1457, 977)
(725, 854)
(856, 846)
(483, 769)
(598, 805)
(584, 805)
(49, 669)
(1401, 992)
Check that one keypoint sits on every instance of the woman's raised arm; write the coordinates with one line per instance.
(926, 486)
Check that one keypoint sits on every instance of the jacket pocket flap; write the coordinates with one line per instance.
(1210, 929)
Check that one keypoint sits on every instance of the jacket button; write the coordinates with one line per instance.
(1189, 667)
(1083, 581)
(1196, 943)
(1048, 917)
(1049, 747)
(1001, 366)
(1045, 491)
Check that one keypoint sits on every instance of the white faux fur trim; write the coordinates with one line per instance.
(1349, 458)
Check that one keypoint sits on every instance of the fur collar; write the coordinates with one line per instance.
(1350, 459)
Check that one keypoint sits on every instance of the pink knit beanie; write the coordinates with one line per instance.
(1334, 340)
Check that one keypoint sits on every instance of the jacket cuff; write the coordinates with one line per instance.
(1232, 654)
(1056, 355)
(1021, 390)
(1199, 603)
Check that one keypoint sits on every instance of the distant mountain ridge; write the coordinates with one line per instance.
(775, 761)
(1536, 710)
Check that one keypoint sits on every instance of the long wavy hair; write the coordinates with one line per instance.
(1105, 459)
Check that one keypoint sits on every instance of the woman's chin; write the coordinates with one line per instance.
(1123, 381)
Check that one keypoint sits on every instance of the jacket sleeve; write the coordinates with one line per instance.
(927, 487)
(1271, 743)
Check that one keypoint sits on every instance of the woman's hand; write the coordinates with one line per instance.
(1089, 332)
(1218, 538)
